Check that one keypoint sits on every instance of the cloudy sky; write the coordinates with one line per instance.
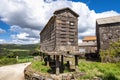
(22, 20)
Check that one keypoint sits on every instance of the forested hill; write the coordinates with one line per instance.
(18, 46)
(20, 50)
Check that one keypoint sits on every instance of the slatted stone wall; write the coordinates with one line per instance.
(61, 32)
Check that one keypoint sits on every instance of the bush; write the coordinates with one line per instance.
(35, 53)
(109, 76)
(11, 55)
(112, 54)
(6, 61)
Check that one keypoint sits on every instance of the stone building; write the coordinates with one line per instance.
(61, 32)
(107, 31)
(88, 45)
(59, 39)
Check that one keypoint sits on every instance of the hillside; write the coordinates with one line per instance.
(17, 48)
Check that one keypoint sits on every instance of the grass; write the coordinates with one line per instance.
(40, 67)
(10, 61)
(7, 61)
(25, 59)
(19, 50)
(106, 71)
(97, 69)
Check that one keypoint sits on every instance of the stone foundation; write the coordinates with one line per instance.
(30, 74)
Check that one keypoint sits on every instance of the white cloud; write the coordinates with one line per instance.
(2, 31)
(15, 28)
(28, 17)
(2, 41)
(23, 38)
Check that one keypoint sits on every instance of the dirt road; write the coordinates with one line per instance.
(13, 72)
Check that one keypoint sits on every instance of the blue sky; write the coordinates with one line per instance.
(102, 5)
(22, 20)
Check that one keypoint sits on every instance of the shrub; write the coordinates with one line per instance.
(35, 53)
(109, 76)
(112, 54)
(5, 61)
(11, 55)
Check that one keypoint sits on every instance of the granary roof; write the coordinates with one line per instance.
(53, 17)
(108, 20)
(89, 38)
(59, 10)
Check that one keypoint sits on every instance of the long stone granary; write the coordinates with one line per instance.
(107, 31)
(61, 32)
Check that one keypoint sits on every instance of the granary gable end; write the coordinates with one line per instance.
(61, 30)
(63, 11)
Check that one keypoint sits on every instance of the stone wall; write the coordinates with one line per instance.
(106, 34)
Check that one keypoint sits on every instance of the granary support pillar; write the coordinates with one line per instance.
(54, 57)
(76, 62)
(57, 65)
(43, 54)
(62, 63)
(62, 59)
(48, 60)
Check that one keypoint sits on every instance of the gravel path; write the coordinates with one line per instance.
(13, 72)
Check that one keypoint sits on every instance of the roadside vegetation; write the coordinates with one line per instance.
(13, 53)
(7, 61)
(106, 71)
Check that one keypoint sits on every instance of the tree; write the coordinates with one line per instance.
(36, 50)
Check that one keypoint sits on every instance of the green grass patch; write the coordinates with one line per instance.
(7, 61)
(106, 71)
(25, 59)
(18, 50)
(40, 67)
(98, 69)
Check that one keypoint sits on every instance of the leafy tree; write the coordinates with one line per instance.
(36, 50)
(12, 55)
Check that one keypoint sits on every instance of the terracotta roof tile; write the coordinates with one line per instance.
(89, 38)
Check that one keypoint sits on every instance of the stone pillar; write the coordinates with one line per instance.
(57, 65)
(76, 62)
(48, 60)
(43, 55)
(54, 57)
(62, 59)
(62, 63)
(17, 58)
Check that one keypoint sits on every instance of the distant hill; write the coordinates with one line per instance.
(18, 48)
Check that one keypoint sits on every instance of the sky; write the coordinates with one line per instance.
(22, 20)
